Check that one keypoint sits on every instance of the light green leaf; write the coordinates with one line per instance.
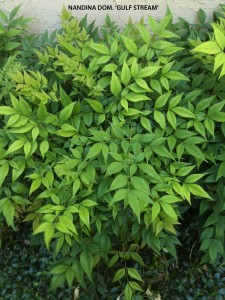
(25, 108)
(114, 47)
(170, 199)
(44, 146)
(113, 168)
(140, 184)
(130, 45)
(76, 186)
(134, 203)
(68, 223)
(125, 74)
(60, 269)
(134, 285)
(218, 117)
(153, 24)
(103, 59)
(160, 44)
(66, 113)
(15, 146)
(119, 195)
(199, 127)
(44, 227)
(94, 151)
(109, 68)
(134, 274)
(169, 210)
(149, 170)
(167, 34)
(184, 171)
(222, 73)
(156, 86)
(183, 112)
(221, 171)
(128, 292)
(171, 119)
(27, 148)
(65, 99)
(48, 235)
(162, 100)
(210, 125)
(219, 35)
(144, 32)
(88, 203)
(119, 182)
(35, 185)
(35, 133)
(131, 112)
(147, 71)
(134, 68)
(119, 275)
(96, 105)
(165, 83)
(175, 100)
(70, 48)
(84, 215)
(146, 124)
(160, 119)
(6, 110)
(133, 97)
(197, 190)
(124, 104)
(193, 178)
(175, 75)
(155, 210)
(158, 227)
(137, 258)
(73, 209)
(164, 22)
(100, 48)
(115, 85)
(4, 170)
(61, 227)
(10, 46)
(142, 84)
(42, 112)
(209, 47)
(8, 211)
(219, 60)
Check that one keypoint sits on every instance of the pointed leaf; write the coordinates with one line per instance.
(87, 262)
(115, 85)
(119, 182)
(207, 48)
(130, 45)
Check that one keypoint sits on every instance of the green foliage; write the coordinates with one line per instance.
(215, 46)
(22, 261)
(109, 143)
(12, 29)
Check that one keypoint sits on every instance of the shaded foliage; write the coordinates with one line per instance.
(110, 144)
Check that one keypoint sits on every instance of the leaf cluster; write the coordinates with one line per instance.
(110, 142)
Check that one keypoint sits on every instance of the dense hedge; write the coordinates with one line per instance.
(111, 144)
(24, 262)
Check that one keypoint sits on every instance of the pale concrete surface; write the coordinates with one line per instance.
(46, 12)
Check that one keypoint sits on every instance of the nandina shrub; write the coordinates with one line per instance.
(12, 31)
(106, 147)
